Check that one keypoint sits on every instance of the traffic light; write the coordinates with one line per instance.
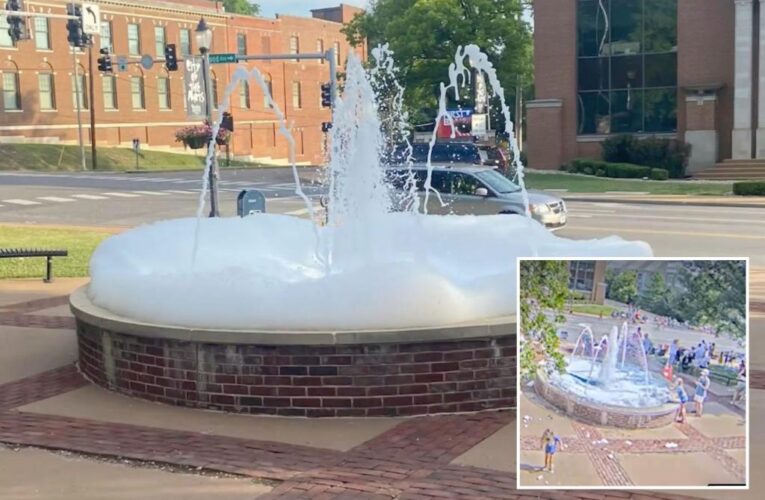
(105, 61)
(76, 37)
(171, 58)
(326, 95)
(17, 25)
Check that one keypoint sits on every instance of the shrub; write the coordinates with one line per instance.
(668, 154)
(659, 174)
(751, 188)
(614, 170)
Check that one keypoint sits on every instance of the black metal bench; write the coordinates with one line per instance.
(35, 252)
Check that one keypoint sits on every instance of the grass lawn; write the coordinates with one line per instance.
(80, 242)
(577, 183)
(51, 157)
(594, 309)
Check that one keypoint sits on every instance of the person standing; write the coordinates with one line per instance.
(673, 349)
(702, 387)
(682, 397)
(740, 390)
(550, 444)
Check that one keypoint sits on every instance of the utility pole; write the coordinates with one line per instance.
(93, 161)
(80, 92)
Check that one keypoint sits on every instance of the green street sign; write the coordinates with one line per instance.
(222, 58)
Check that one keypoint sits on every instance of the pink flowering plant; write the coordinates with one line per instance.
(201, 134)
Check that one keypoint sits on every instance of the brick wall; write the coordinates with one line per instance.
(314, 381)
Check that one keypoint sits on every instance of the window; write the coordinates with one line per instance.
(42, 33)
(11, 95)
(163, 92)
(241, 44)
(581, 275)
(270, 87)
(134, 40)
(320, 48)
(137, 92)
(294, 45)
(110, 91)
(627, 66)
(185, 42)
(214, 83)
(337, 53)
(5, 37)
(47, 91)
(106, 36)
(80, 90)
(159, 41)
(296, 100)
(244, 95)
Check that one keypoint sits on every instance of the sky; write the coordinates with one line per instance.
(268, 8)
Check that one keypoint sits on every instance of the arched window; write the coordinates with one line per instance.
(80, 88)
(11, 86)
(214, 90)
(163, 90)
(269, 85)
(137, 92)
(46, 84)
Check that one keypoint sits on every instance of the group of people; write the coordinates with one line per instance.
(700, 394)
(699, 355)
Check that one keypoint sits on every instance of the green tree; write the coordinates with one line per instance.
(544, 291)
(621, 286)
(241, 7)
(656, 297)
(713, 293)
(425, 35)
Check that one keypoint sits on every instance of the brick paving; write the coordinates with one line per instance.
(409, 461)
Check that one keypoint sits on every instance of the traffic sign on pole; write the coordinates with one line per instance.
(122, 63)
(91, 19)
(222, 58)
(147, 62)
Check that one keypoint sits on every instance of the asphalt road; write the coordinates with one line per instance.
(100, 199)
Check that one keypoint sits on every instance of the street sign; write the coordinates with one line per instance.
(147, 62)
(91, 19)
(122, 63)
(196, 98)
(222, 58)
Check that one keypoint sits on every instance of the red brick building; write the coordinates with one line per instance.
(37, 76)
(687, 69)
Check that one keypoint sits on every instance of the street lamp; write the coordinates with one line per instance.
(204, 37)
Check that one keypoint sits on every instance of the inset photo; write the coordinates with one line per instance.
(633, 374)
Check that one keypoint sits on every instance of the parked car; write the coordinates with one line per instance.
(496, 157)
(474, 190)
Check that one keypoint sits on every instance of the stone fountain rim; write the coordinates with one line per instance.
(631, 410)
(86, 311)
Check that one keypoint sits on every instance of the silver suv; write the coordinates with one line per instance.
(473, 190)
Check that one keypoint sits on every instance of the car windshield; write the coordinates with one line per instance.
(497, 181)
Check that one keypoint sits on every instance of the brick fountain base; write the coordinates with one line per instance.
(462, 368)
(593, 413)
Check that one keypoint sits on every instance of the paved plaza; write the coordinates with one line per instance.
(84, 440)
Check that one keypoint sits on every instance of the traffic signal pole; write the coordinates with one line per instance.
(93, 161)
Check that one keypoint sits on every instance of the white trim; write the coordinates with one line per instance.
(544, 103)
(702, 98)
(642, 135)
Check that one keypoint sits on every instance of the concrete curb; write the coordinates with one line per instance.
(200, 169)
(654, 201)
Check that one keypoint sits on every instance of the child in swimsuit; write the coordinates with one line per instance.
(683, 397)
(550, 443)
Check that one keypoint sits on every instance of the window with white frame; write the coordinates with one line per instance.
(42, 33)
(47, 91)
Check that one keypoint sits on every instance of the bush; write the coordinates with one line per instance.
(659, 174)
(668, 154)
(752, 188)
(614, 170)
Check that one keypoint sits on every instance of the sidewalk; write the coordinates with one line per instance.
(44, 402)
(654, 199)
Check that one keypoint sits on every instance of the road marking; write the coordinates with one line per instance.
(151, 193)
(89, 197)
(617, 230)
(22, 202)
(123, 195)
(55, 199)
(302, 211)
(177, 191)
(186, 181)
